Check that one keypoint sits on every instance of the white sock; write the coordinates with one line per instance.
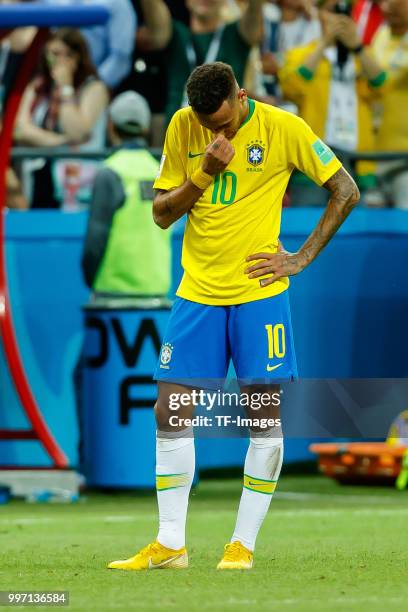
(262, 468)
(175, 464)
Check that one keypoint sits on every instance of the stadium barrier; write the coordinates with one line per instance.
(122, 339)
(43, 17)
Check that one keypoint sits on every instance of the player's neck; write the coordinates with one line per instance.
(245, 113)
(205, 25)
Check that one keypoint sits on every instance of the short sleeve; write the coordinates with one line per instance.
(308, 153)
(172, 171)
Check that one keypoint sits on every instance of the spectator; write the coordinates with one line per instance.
(111, 45)
(391, 49)
(288, 24)
(124, 251)
(64, 104)
(369, 17)
(149, 69)
(333, 81)
(209, 38)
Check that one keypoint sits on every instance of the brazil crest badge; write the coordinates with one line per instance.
(255, 153)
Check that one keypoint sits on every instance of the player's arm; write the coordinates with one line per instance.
(344, 196)
(168, 206)
(251, 25)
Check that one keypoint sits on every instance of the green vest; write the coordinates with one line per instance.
(137, 256)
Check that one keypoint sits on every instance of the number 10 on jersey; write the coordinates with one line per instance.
(225, 188)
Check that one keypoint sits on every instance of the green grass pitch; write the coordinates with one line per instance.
(322, 547)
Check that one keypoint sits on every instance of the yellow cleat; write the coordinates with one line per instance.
(236, 556)
(153, 556)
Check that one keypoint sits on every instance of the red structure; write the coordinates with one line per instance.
(12, 16)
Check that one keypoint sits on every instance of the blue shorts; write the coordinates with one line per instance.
(200, 340)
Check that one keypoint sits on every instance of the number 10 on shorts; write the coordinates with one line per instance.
(276, 340)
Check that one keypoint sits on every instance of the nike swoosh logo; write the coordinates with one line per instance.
(162, 564)
(271, 368)
(257, 484)
(191, 155)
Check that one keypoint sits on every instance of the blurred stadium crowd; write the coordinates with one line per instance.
(341, 66)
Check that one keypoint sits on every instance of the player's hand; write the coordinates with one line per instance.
(218, 155)
(279, 264)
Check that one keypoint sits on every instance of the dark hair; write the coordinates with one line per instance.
(209, 85)
(76, 42)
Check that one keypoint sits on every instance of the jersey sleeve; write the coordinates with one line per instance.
(172, 171)
(308, 153)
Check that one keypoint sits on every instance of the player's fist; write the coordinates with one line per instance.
(218, 155)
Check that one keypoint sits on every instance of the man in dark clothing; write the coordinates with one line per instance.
(124, 251)
(209, 38)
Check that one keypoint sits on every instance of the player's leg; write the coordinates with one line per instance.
(175, 463)
(192, 353)
(262, 467)
(262, 351)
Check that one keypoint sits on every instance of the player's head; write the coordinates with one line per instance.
(205, 9)
(216, 99)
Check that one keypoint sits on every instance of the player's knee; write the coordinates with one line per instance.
(266, 438)
(161, 411)
(268, 449)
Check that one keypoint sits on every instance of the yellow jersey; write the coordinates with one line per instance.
(392, 52)
(240, 213)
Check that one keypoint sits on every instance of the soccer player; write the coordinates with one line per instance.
(226, 164)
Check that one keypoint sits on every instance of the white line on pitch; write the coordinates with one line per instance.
(207, 515)
(337, 496)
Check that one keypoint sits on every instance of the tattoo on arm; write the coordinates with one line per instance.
(168, 206)
(344, 196)
(343, 189)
